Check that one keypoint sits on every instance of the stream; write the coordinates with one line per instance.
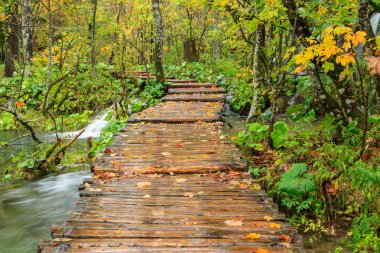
(28, 209)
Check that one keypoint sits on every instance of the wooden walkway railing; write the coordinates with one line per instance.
(171, 182)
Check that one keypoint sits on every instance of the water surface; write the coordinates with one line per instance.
(28, 209)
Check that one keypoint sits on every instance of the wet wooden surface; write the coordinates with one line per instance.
(199, 97)
(177, 185)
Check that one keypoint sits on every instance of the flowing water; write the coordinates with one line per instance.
(28, 209)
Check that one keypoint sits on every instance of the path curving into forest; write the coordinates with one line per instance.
(171, 182)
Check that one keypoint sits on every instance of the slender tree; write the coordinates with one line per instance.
(12, 43)
(27, 31)
(93, 24)
(159, 41)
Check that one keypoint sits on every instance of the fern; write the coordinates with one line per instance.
(296, 181)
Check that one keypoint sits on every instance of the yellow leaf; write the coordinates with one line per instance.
(268, 218)
(274, 225)
(346, 46)
(143, 184)
(181, 180)
(345, 59)
(252, 236)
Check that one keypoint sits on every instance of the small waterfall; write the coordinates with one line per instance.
(375, 18)
(227, 109)
(293, 99)
(93, 129)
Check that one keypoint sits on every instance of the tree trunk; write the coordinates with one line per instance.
(13, 38)
(12, 50)
(9, 63)
(364, 24)
(27, 32)
(190, 53)
(93, 24)
(159, 42)
(254, 111)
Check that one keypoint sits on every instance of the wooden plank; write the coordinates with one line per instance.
(193, 85)
(195, 97)
(196, 91)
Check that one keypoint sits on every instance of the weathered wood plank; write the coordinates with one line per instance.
(196, 91)
(195, 97)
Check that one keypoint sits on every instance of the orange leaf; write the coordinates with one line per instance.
(274, 225)
(20, 104)
(252, 236)
(285, 238)
(117, 165)
(260, 250)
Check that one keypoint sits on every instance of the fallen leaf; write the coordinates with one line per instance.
(257, 223)
(181, 180)
(268, 218)
(147, 196)
(260, 250)
(234, 223)
(285, 238)
(252, 236)
(166, 154)
(243, 186)
(373, 64)
(200, 193)
(117, 165)
(108, 151)
(234, 182)
(256, 187)
(158, 213)
(274, 225)
(143, 184)
(188, 194)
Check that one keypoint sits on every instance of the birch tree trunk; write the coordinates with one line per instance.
(93, 24)
(27, 32)
(254, 111)
(159, 42)
(50, 58)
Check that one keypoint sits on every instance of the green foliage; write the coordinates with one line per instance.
(296, 181)
(6, 121)
(318, 174)
(254, 136)
(279, 134)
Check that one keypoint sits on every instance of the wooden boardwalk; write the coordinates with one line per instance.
(171, 182)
